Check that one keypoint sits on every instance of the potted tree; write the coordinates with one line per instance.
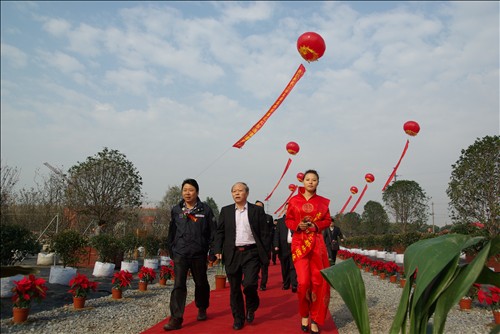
(151, 246)
(17, 242)
(70, 246)
(130, 244)
(108, 248)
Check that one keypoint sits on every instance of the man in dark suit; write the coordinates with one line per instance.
(282, 245)
(269, 245)
(240, 243)
(332, 237)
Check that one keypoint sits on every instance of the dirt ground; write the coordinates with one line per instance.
(57, 294)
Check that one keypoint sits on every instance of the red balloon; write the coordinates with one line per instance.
(292, 187)
(411, 128)
(300, 177)
(369, 178)
(311, 46)
(354, 190)
(292, 148)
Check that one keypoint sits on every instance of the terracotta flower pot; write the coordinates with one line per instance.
(402, 282)
(465, 303)
(116, 293)
(20, 315)
(382, 275)
(367, 269)
(79, 302)
(496, 315)
(375, 273)
(162, 281)
(220, 281)
(393, 278)
(143, 286)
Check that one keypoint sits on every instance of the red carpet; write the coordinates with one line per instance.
(277, 313)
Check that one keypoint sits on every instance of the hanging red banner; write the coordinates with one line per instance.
(296, 77)
(283, 174)
(345, 205)
(359, 198)
(397, 165)
(286, 201)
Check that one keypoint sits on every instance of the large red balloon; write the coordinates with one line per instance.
(300, 177)
(292, 148)
(354, 190)
(411, 128)
(311, 46)
(369, 178)
(292, 187)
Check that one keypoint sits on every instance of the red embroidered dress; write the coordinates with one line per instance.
(309, 254)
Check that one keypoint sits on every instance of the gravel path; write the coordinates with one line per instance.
(138, 311)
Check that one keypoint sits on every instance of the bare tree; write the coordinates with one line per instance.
(9, 178)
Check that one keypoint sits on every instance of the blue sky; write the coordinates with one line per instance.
(173, 85)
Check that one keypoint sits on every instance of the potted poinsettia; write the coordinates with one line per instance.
(80, 288)
(146, 275)
(121, 280)
(490, 295)
(166, 273)
(25, 291)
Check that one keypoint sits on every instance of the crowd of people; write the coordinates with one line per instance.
(247, 239)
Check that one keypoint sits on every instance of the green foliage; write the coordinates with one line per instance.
(374, 219)
(151, 244)
(104, 187)
(17, 243)
(108, 247)
(70, 245)
(439, 284)
(474, 189)
(130, 242)
(215, 209)
(408, 203)
(346, 279)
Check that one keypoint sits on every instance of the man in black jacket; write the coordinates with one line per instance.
(269, 245)
(240, 242)
(332, 237)
(190, 236)
(282, 245)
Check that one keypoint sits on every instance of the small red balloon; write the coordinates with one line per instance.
(311, 46)
(300, 177)
(369, 178)
(411, 128)
(292, 148)
(354, 190)
(292, 187)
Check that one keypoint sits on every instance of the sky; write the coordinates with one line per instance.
(173, 85)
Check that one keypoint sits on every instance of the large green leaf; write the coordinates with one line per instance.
(346, 279)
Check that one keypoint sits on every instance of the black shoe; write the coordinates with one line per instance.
(285, 288)
(250, 316)
(237, 325)
(202, 314)
(263, 288)
(173, 325)
(305, 329)
(294, 289)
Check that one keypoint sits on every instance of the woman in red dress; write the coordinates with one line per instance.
(307, 215)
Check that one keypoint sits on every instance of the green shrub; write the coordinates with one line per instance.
(130, 243)
(17, 243)
(151, 244)
(70, 245)
(108, 247)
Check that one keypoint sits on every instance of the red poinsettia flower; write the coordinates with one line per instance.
(121, 279)
(491, 296)
(28, 289)
(147, 274)
(167, 272)
(81, 286)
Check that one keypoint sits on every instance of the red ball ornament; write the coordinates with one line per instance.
(292, 187)
(369, 178)
(300, 177)
(354, 190)
(292, 148)
(411, 128)
(311, 46)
